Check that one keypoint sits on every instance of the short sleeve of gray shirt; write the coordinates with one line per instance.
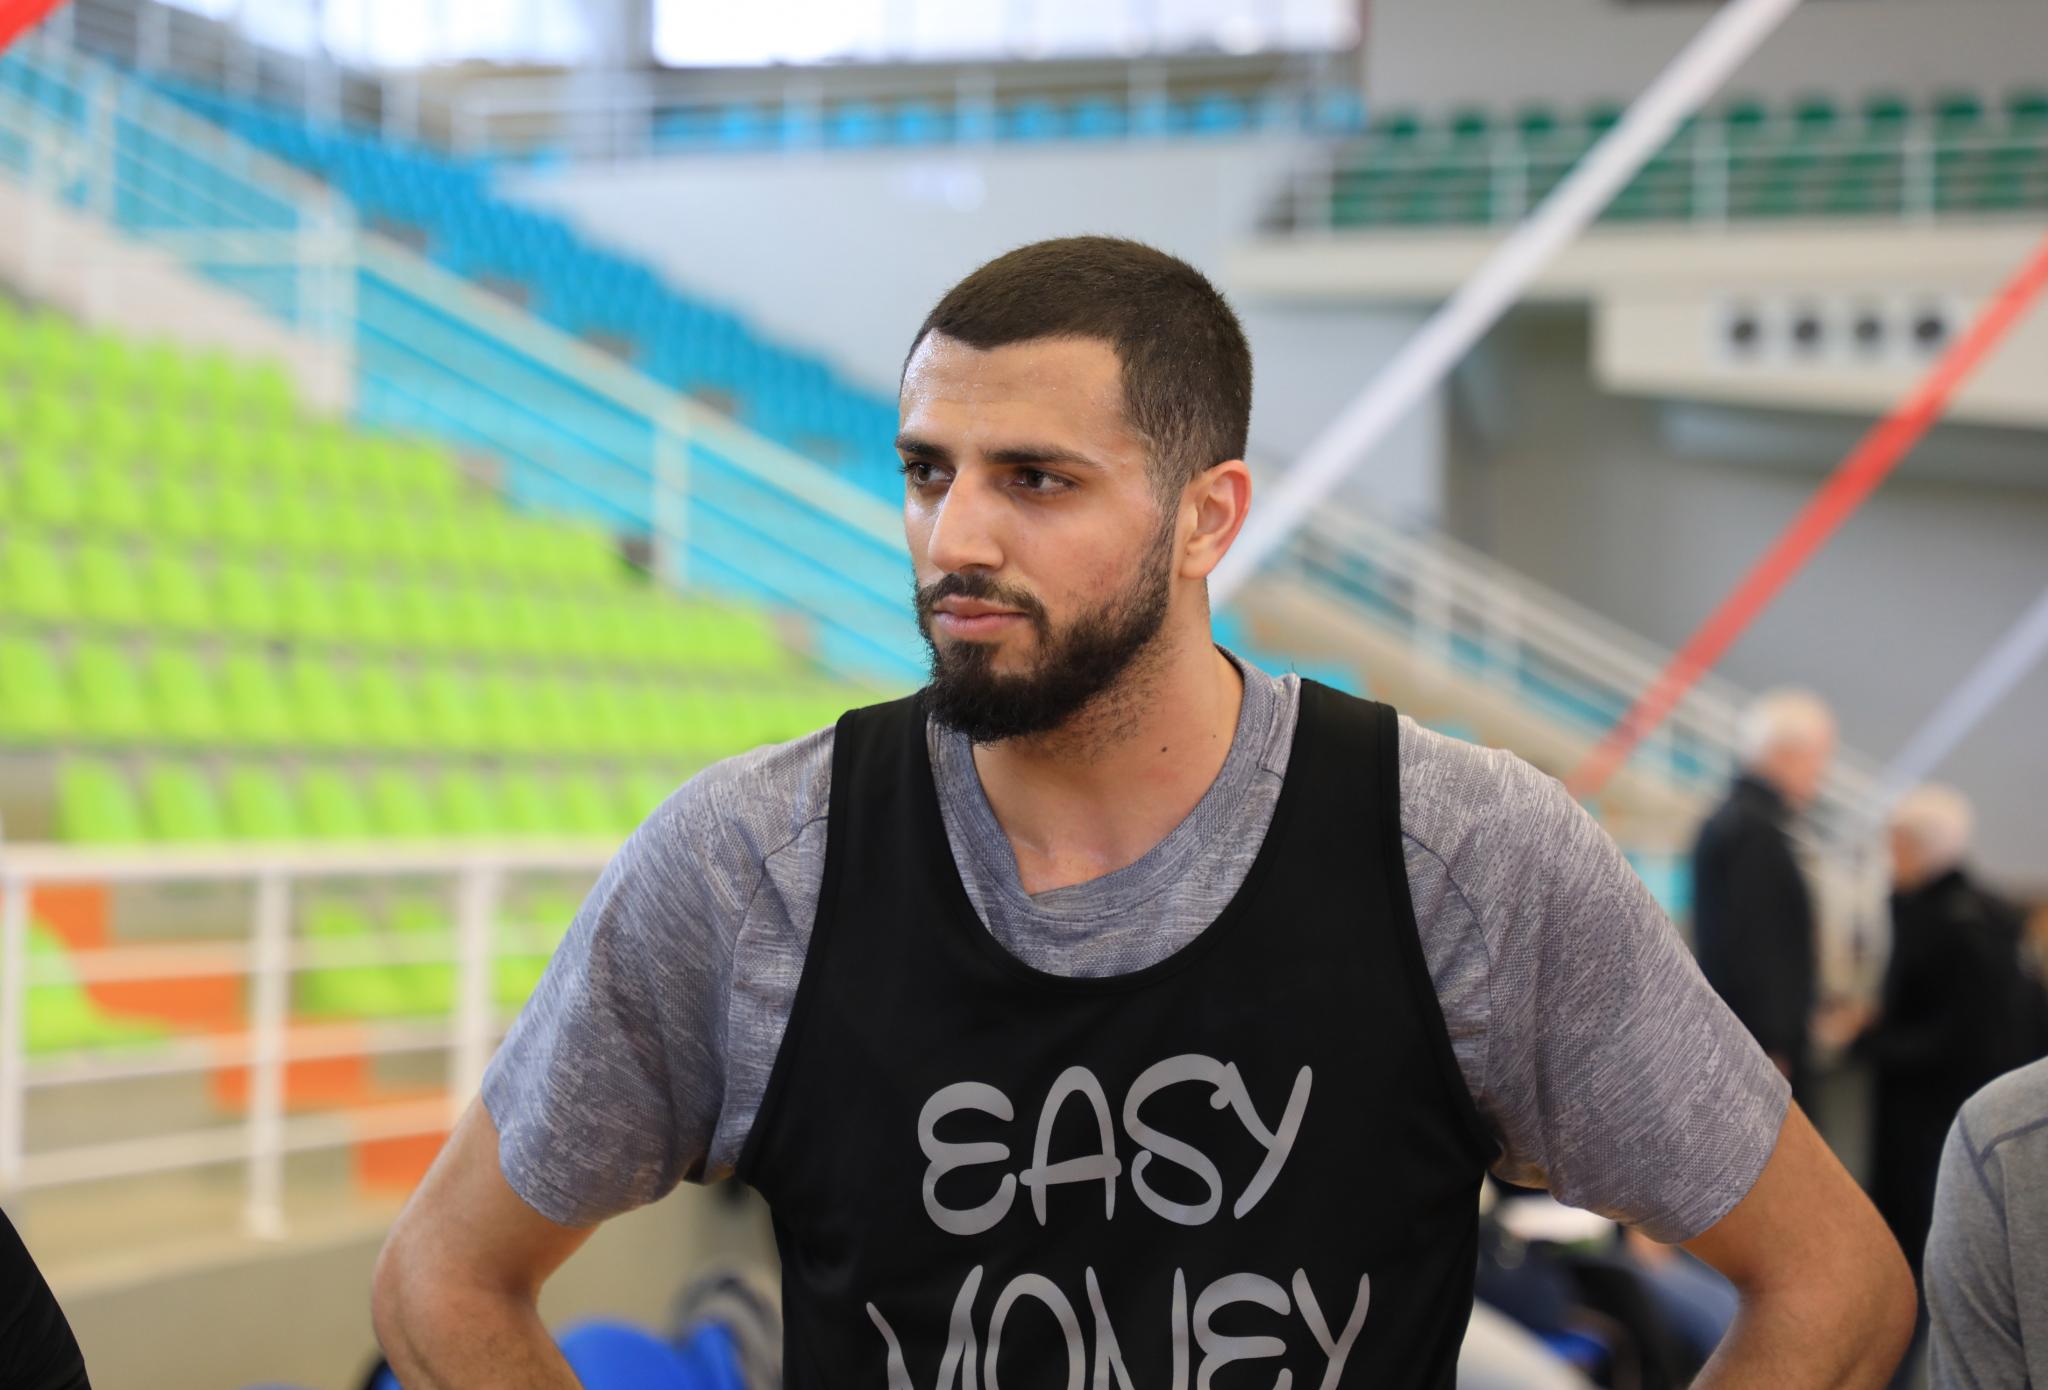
(1608, 1069)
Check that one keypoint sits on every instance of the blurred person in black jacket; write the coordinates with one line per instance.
(37, 1350)
(1957, 1010)
(1753, 923)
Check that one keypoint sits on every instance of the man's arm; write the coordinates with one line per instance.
(454, 1295)
(1827, 1299)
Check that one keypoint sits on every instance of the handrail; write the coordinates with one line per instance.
(763, 460)
(1511, 609)
(268, 955)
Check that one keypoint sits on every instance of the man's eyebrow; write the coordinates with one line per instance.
(915, 447)
(1037, 455)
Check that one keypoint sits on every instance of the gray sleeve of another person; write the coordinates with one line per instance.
(607, 1091)
(1986, 1272)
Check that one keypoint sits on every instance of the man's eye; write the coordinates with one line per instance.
(1038, 480)
(919, 473)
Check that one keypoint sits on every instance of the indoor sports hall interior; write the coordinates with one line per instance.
(431, 433)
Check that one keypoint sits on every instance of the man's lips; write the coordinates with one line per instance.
(966, 618)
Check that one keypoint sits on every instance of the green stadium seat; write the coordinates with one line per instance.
(112, 706)
(111, 500)
(46, 489)
(34, 705)
(1398, 127)
(525, 947)
(1746, 120)
(1471, 125)
(96, 804)
(505, 709)
(333, 805)
(259, 806)
(309, 608)
(424, 925)
(179, 596)
(327, 456)
(1958, 113)
(426, 620)
(322, 704)
(35, 581)
(62, 1016)
(1815, 117)
(180, 509)
(452, 711)
(242, 517)
(182, 693)
(478, 619)
(369, 613)
(528, 804)
(387, 708)
(368, 991)
(1886, 115)
(179, 804)
(259, 711)
(301, 523)
(400, 806)
(2026, 112)
(109, 591)
(248, 600)
(1537, 125)
(588, 805)
(468, 804)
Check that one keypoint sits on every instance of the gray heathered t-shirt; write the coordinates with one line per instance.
(1610, 1072)
(1986, 1272)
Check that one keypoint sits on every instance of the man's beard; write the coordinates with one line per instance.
(1075, 665)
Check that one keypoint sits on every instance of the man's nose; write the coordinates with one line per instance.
(965, 533)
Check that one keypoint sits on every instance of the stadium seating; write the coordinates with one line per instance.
(234, 622)
(541, 263)
(1811, 157)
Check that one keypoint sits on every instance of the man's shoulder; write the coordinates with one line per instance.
(739, 811)
(1464, 802)
(2012, 1109)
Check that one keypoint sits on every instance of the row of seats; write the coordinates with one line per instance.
(172, 800)
(1739, 120)
(248, 698)
(747, 126)
(82, 535)
(1744, 160)
(49, 349)
(103, 585)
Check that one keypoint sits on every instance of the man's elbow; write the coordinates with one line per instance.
(1870, 1304)
(389, 1303)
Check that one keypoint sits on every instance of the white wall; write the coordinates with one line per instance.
(1437, 54)
(1598, 497)
(844, 254)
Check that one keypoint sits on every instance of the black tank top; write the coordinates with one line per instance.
(1252, 1164)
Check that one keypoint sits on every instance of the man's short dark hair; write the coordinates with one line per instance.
(1187, 370)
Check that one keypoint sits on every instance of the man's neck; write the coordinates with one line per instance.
(1096, 795)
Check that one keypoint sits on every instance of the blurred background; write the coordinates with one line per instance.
(432, 429)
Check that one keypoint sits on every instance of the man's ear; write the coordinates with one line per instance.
(1215, 501)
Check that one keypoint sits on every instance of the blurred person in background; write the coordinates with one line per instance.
(1987, 1257)
(1753, 914)
(1955, 1009)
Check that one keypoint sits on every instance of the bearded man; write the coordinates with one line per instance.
(1111, 1012)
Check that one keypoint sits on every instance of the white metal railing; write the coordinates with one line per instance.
(268, 955)
(1461, 607)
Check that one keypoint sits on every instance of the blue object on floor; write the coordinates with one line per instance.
(615, 1356)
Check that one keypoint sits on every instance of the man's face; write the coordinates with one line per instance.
(1044, 562)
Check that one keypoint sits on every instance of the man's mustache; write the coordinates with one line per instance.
(982, 589)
